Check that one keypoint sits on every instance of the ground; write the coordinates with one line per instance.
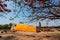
(18, 35)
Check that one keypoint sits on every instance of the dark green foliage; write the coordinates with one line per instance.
(51, 27)
(6, 26)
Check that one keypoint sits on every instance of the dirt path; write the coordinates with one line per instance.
(30, 36)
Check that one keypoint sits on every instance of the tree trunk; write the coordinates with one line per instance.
(38, 27)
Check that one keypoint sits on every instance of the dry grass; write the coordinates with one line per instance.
(30, 36)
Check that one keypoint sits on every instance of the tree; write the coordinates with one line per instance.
(6, 26)
(46, 9)
(2, 7)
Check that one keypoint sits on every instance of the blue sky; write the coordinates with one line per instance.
(17, 20)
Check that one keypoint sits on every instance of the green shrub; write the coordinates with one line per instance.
(6, 26)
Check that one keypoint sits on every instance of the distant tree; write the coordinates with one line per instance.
(10, 25)
(6, 26)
